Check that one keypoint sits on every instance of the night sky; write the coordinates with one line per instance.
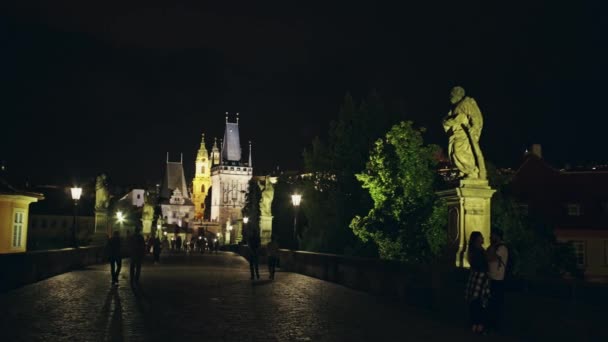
(113, 88)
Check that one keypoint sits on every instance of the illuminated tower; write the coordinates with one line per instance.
(230, 175)
(202, 180)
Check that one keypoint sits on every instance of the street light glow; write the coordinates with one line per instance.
(76, 192)
(120, 216)
(295, 199)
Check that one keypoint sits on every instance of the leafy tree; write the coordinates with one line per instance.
(407, 221)
(332, 196)
(251, 209)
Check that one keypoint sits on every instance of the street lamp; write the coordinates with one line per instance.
(295, 200)
(245, 219)
(120, 217)
(76, 193)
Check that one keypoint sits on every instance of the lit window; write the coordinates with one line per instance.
(579, 252)
(574, 210)
(18, 228)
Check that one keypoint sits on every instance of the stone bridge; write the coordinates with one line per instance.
(209, 298)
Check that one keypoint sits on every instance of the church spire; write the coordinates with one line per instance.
(250, 164)
(202, 151)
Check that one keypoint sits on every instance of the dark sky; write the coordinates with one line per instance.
(112, 87)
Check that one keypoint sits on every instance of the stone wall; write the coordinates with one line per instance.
(24, 268)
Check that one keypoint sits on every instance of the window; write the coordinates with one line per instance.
(18, 218)
(574, 210)
(579, 252)
(187, 215)
(203, 188)
(138, 196)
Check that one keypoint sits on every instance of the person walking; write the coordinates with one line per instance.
(273, 256)
(498, 259)
(137, 249)
(478, 285)
(156, 249)
(113, 249)
(178, 243)
(254, 247)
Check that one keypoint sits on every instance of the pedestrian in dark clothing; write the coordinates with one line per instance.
(254, 247)
(178, 243)
(156, 249)
(478, 286)
(137, 249)
(273, 256)
(114, 256)
(498, 259)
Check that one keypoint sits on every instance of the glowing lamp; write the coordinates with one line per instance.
(76, 192)
(296, 199)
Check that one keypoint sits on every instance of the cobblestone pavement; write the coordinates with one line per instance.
(208, 298)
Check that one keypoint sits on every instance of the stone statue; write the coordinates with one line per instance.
(148, 210)
(463, 125)
(267, 189)
(102, 195)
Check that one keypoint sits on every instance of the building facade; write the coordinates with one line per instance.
(14, 212)
(230, 175)
(573, 203)
(176, 205)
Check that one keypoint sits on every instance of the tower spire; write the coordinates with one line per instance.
(237, 118)
(250, 164)
(226, 117)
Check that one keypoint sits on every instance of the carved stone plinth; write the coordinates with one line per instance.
(265, 229)
(469, 207)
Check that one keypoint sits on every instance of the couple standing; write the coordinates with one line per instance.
(137, 249)
(485, 287)
(272, 251)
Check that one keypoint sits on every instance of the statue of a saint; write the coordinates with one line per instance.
(102, 195)
(267, 189)
(463, 125)
(148, 210)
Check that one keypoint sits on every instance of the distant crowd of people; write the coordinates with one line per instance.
(485, 286)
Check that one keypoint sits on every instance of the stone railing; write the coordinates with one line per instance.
(538, 308)
(24, 268)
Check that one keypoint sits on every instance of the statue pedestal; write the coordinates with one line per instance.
(146, 226)
(102, 227)
(468, 210)
(265, 229)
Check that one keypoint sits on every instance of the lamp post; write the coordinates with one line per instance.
(295, 200)
(76, 193)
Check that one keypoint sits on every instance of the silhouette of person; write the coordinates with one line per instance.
(114, 255)
(254, 246)
(137, 248)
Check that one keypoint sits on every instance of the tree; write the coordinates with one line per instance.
(332, 196)
(251, 209)
(408, 220)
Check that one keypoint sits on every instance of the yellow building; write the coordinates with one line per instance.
(201, 181)
(14, 210)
